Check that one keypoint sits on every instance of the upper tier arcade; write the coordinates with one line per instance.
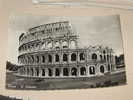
(51, 36)
(57, 29)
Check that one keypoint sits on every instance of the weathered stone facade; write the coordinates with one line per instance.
(52, 51)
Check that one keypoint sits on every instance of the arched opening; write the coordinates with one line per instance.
(74, 71)
(82, 56)
(43, 59)
(94, 56)
(65, 44)
(57, 59)
(50, 72)
(92, 70)
(49, 58)
(73, 57)
(65, 72)
(65, 57)
(102, 69)
(57, 72)
(82, 71)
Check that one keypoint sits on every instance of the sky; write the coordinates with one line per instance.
(92, 30)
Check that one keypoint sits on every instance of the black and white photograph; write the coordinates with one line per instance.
(64, 52)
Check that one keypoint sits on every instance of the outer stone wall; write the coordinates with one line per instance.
(52, 50)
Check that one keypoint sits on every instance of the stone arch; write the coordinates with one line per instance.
(57, 58)
(82, 71)
(57, 72)
(65, 57)
(92, 70)
(50, 73)
(49, 58)
(64, 44)
(73, 57)
(65, 72)
(74, 71)
(82, 56)
(102, 69)
(94, 56)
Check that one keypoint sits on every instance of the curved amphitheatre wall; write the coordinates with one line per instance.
(52, 50)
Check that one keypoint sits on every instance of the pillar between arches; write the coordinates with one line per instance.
(88, 73)
(78, 71)
(53, 71)
(61, 72)
(69, 72)
(34, 71)
(26, 71)
(46, 72)
(40, 72)
(97, 69)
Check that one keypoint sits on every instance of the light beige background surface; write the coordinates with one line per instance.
(125, 92)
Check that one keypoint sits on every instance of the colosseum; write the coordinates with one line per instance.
(52, 51)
